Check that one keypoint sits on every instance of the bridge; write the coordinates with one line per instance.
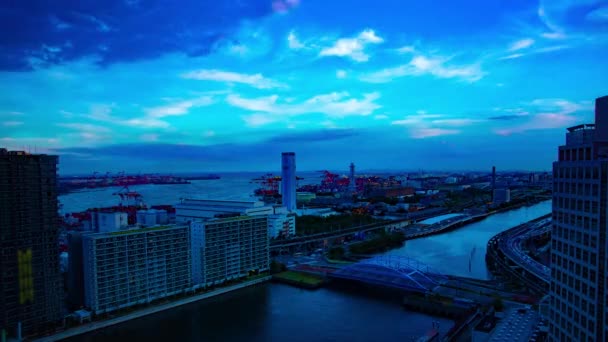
(506, 255)
(393, 271)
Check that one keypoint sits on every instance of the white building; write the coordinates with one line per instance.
(108, 221)
(135, 266)
(228, 248)
(280, 220)
(152, 217)
(502, 196)
(281, 223)
(204, 209)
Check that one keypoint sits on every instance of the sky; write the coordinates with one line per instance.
(177, 86)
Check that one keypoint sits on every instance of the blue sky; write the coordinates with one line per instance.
(227, 85)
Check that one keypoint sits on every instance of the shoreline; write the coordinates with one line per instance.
(93, 326)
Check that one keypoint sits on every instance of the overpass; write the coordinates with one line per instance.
(506, 256)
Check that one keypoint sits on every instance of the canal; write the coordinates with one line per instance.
(451, 252)
(275, 312)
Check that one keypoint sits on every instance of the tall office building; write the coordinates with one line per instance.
(288, 180)
(135, 266)
(30, 281)
(352, 184)
(578, 241)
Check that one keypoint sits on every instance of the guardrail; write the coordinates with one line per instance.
(505, 247)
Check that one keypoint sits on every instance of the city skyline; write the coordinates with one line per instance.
(212, 86)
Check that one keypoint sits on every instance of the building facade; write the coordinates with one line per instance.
(229, 248)
(501, 196)
(288, 180)
(135, 266)
(31, 290)
(578, 292)
(190, 210)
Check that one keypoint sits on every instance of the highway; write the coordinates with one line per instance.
(509, 257)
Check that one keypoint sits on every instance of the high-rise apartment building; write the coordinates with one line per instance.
(30, 281)
(288, 180)
(229, 248)
(135, 266)
(578, 243)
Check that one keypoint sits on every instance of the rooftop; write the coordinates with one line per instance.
(518, 324)
(581, 127)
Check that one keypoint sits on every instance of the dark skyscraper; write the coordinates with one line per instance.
(578, 241)
(31, 291)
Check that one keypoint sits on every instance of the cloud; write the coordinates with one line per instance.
(316, 136)
(422, 65)
(406, 49)
(150, 137)
(421, 133)
(513, 56)
(575, 19)
(547, 114)
(507, 117)
(455, 122)
(259, 119)
(254, 80)
(341, 73)
(12, 123)
(284, 6)
(335, 105)
(521, 44)
(84, 127)
(117, 31)
(353, 48)
(178, 108)
(33, 144)
(293, 41)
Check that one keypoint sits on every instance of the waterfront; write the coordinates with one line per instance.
(279, 312)
(450, 252)
(276, 312)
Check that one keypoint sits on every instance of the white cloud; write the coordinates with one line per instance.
(178, 108)
(422, 65)
(84, 127)
(293, 42)
(149, 137)
(512, 56)
(353, 48)
(12, 123)
(599, 15)
(334, 105)
(341, 74)
(421, 133)
(406, 49)
(455, 122)
(550, 113)
(259, 119)
(521, 44)
(254, 80)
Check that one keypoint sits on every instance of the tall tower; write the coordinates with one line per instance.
(578, 240)
(352, 185)
(288, 182)
(31, 291)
